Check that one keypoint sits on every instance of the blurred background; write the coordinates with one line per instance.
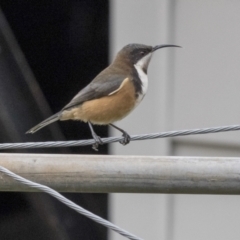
(50, 50)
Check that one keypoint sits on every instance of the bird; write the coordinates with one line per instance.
(112, 94)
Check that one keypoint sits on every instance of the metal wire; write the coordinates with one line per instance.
(69, 203)
(117, 139)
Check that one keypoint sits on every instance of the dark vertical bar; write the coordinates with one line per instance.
(66, 45)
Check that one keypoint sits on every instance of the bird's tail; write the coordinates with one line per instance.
(44, 123)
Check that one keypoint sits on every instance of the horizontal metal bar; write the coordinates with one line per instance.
(133, 174)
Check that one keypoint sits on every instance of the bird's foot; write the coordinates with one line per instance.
(126, 139)
(98, 141)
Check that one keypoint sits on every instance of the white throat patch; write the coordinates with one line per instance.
(144, 61)
(142, 75)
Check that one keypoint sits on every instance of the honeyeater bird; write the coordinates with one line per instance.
(112, 94)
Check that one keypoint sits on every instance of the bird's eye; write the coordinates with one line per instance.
(142, 53)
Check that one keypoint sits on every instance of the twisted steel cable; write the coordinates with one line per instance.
(69, 203)
(74, 206)
(117, 139)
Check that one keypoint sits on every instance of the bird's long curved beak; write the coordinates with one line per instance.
(163, 46)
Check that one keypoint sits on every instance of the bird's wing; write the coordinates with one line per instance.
(103, 85)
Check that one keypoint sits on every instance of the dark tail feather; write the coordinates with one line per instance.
(44, 123)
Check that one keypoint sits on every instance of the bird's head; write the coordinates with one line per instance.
(139, 54)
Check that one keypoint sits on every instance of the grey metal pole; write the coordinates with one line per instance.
(133, 174)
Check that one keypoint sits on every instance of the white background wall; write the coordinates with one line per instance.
(196, 86)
